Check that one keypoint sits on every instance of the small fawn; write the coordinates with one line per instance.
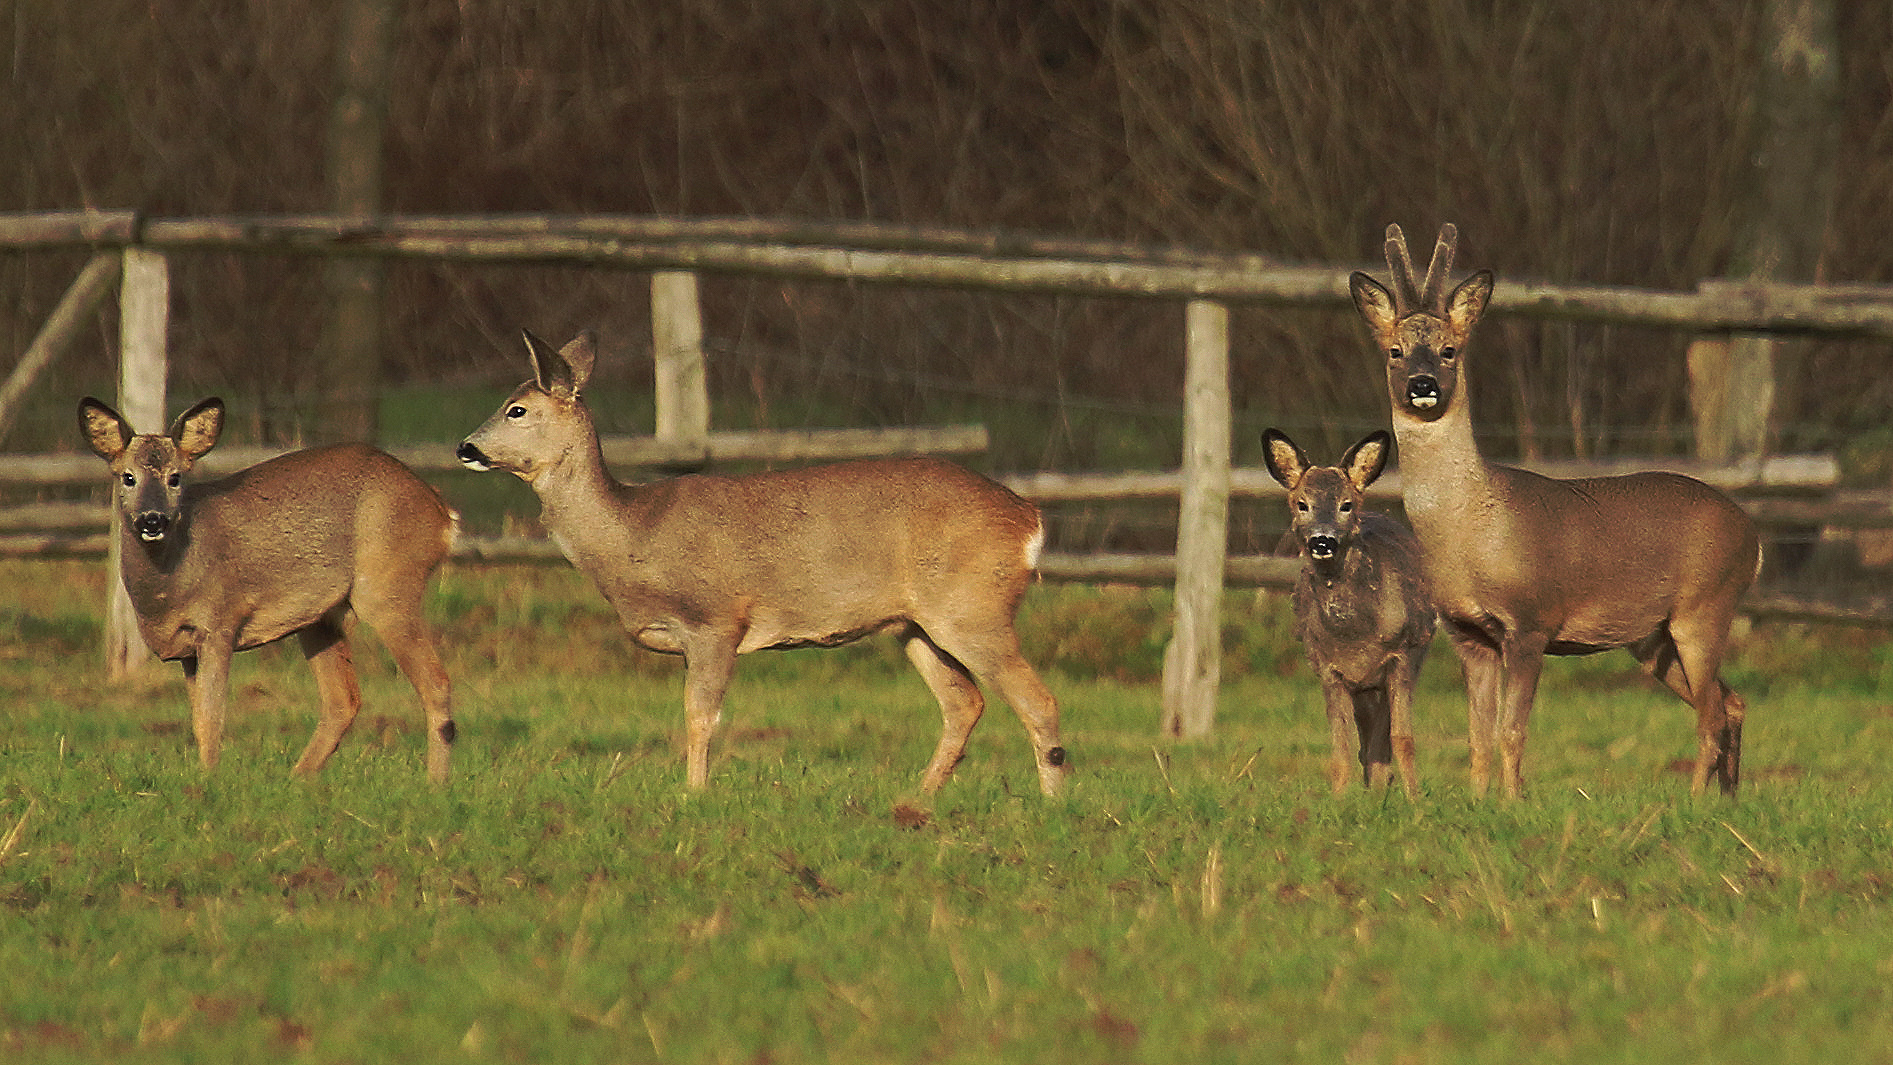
(712, 567)
(1361, 605)
(304, 543)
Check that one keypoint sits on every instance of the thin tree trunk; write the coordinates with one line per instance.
(351, 347)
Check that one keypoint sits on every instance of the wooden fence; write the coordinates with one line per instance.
(134, 247)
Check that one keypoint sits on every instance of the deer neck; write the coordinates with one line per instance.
(1446, 484)
(577, 491)
(157, 576)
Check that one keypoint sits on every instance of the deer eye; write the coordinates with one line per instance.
(1447, 353)
(515, 411)
(174, 480)
(1347, 508)
(130, 481)
(1301, 505)
(1395, 353)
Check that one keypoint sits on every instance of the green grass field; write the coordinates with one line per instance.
(565, 900)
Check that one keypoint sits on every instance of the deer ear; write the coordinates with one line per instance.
(1468, 301)
(549, 371)
(1286, 462)
(103, 429)
(1366, 459)
(196, 430)
(561, 372)
(1375, 303)
(580, 353)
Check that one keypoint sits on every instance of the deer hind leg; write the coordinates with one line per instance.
(403, 628)
(1373, 719)
(325, 645)
(1692, 647)
(961, 704)
(207, 679)
(990, 652)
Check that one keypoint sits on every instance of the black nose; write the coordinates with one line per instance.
(1323, 547)
(470, 455)
(1423, 387)
(151, 525)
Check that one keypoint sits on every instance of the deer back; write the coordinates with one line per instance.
(817, 553)
(1597, 561)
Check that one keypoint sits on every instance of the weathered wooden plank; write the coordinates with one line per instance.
(864, 253)
(88, 290)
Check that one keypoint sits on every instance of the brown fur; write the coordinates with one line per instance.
(302, 544)
(712, 567)
(1522, 565)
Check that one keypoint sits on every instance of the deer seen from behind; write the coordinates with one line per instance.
(303, 544)
(713, 567)
(1522, 565)
(1361, 606)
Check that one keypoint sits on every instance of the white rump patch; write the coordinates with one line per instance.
(1033, 545)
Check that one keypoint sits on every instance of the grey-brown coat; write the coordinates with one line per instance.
(1361, 605)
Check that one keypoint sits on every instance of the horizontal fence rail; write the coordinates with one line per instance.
(908, 256)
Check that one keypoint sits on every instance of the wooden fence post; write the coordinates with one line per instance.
(683, 390)
(1192, 665)
(144, 303)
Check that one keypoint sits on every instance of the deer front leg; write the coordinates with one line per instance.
(325, 645)
(1341, 730)
(1479, 666)
(708, 663)
(1400, 682)
(207, 679)
(1522, 662)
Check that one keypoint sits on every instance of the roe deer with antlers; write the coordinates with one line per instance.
(1361, 606)
(712, 567)
(304, 543)
(1522, 565)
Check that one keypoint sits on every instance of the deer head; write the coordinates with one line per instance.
(539, 424)
(1423, 330)
(149, 470)
(1325, 503)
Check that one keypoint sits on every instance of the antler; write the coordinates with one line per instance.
(1433, 296)
(1430, 297)
(1405, 296)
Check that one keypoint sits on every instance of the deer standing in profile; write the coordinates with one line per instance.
(304, 543)
(1522, 565)
(1361, 606)
(712, 567)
